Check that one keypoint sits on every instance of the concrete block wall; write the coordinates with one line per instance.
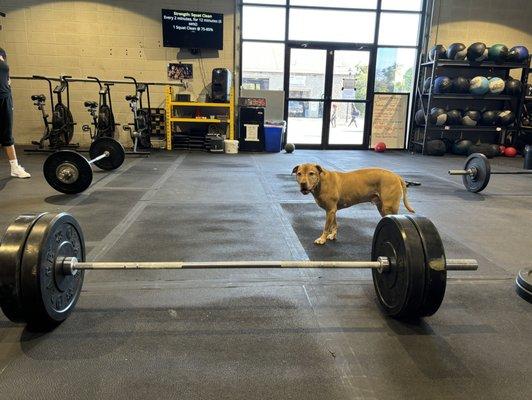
(107, 39)
(489, 21)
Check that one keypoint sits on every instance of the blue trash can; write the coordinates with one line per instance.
(273, 135)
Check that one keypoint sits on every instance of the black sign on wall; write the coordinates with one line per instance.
(192, 29)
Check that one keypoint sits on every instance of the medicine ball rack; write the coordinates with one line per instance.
(420, 134)
(43, 263)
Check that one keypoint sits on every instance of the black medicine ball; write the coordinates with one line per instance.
(506, 117)
(489, 118)
(460, 85)
(462, 147)
(477, 52)
(456, 51)
(513, 87)
(482, 148)
(494, 150)
(442, 84)
(419, 117)
(437, 51)
(471, 118)
(437, 116)
(454, 117)
(435, 147)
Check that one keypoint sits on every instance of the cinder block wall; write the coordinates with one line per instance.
(489, 21)
(105, 38)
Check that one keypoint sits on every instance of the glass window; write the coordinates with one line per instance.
(347, 123)
(332, 26)
(262, 66)
(395, 70)
(283, 2)
(350, 74)
(267, 23)
(406, 5)
(369, 4)
(307, 73)
(399, 29)
(305, 122)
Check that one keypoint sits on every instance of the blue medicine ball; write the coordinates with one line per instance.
(518, 54)
(479, 85)
(442, 84)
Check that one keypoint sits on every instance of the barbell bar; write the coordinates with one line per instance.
(69, 172)
(477, 172)
(42, 258)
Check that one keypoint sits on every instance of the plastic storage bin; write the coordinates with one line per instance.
(273, 135)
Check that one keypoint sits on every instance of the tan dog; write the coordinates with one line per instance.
(336, 190)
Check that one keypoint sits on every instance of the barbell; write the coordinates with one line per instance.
(42, 259)
(69, 172)
(477, 172)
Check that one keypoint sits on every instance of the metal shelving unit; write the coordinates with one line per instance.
(419, 135)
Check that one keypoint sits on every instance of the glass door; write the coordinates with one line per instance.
(327, 95)
(306, 96)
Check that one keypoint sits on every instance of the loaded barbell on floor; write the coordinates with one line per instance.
(477, 172)
(69, 172)
(43, 264)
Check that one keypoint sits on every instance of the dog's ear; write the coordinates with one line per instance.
(295, 169)
(319, 168)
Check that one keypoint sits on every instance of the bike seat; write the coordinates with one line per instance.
(130, 97)
(38, 97)
(91, 104)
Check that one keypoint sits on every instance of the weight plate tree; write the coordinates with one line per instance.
(477, 172)
(43, 260)
(69, 172)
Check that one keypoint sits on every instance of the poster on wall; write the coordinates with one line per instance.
(390, 113)
(178, 71)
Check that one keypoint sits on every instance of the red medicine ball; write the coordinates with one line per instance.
(501, 149)
(510, 152)
(380, 147)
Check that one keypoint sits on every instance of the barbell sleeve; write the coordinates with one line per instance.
(104, 155)
(71, 265)
(461, 172)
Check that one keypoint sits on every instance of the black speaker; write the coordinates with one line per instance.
(221, 85)
(251, 129)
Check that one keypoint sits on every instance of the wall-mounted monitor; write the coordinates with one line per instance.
(192, 29)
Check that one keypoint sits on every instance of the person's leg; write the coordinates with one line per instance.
(6, 138)
(10, 152)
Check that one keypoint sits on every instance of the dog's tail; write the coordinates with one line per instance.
(405, 199)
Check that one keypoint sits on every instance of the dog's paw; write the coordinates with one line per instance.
(331, 236)
(320, 241)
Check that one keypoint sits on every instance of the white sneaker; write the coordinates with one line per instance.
(19, 172)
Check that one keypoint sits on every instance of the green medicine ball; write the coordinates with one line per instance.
(498, 53)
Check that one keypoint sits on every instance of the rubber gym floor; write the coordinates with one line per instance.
(272, 334)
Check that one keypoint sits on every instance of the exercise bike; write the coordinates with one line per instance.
(101, 112)
(60, 130)
(139, 130)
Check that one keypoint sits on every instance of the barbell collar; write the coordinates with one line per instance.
(71, 265)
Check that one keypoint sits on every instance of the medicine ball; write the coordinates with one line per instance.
(510, 152)
(506, 117)
(454, 117)
(380, 147)
(495, 150)
(289, 148)
(471, 118)
(518, 54)
(457, 51)
(437, 51)
(461, 147)
(437, 116)
(479, 85)
(448, 145)
(498, 53)
(489, 118)
(477, 52)
(419, 117)
(460, 85)
(435, 147)
(496, 85)
(482, 148)
(426, 85)
(442, 84)
(513, 87)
